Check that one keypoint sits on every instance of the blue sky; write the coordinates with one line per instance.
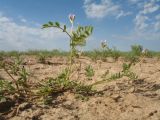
(121, 22)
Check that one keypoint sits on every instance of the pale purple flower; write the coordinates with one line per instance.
(80, 52)
(104, 44)
(144, 51)
(72, 18)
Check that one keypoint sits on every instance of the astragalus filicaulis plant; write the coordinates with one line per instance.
(77, 37)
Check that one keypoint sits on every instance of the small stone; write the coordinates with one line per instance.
(36, 114)
(116, 97)
(131, 90)
(68, 105)
(98, 102)
(117, 88)
(110, 60)
(158, 91)
(24, 106)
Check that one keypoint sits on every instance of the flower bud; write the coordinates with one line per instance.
(144, 51)
(72, 18)
(104, 44)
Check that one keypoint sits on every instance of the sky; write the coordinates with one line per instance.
(121, 23)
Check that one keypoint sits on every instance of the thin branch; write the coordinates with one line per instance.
(14, 80)
(63, 31)
(66, 32)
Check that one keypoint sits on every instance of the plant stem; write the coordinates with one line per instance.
(71, 50)
(66, 33)
(14, 80)
(63, 31)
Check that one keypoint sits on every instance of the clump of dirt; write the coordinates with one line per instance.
(120, 99)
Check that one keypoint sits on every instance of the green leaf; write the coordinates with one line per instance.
(64, 29)
(80, 35)
(50, 23)
(91, 29)
(87, 33)
(45, 26)
(2, 99)
(57, 24)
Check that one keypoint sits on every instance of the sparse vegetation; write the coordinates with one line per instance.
(89, 72)
(42, 58)
(15, 83)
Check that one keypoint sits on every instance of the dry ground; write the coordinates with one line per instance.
(121, 99)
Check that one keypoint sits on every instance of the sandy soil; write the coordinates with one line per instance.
(121, 99)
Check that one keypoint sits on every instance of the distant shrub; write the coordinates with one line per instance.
(131, 57)
(136, 50)
(89, 72)
(42, 58)
(115, 53)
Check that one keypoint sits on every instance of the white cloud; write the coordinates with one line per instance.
(101, 10)
(22, 37)
(23, 20)
(136, 36)
(150, 7)
(137, 3)
(87, 1)
(147, 24)
(157, 23)
(4, 19)
(140, 22)
(122, 14)
(143, 18)
(157, 26)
